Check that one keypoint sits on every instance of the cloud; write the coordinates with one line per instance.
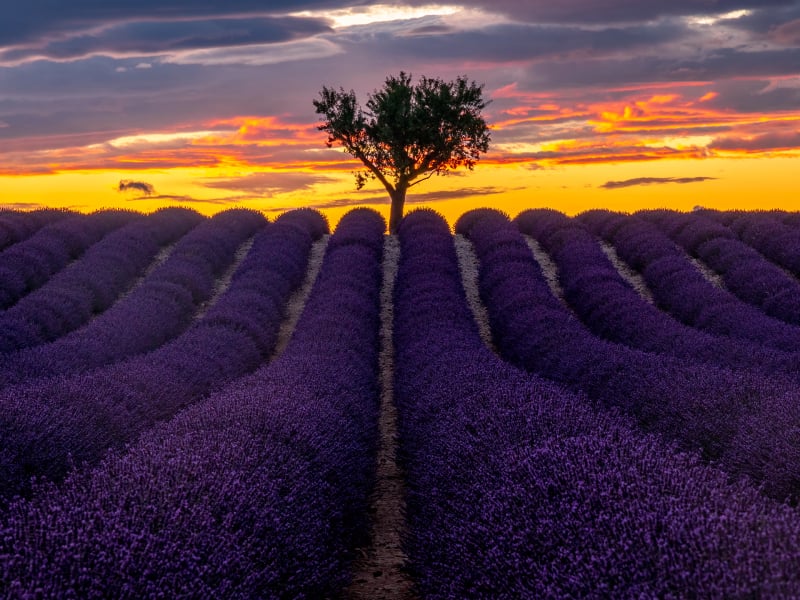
(615, 185)
(224, 200)
(258, 54)
(126, 185)
(574, 68)
(34, 20)
(272, 182)
(166, 37)
(613, 11)
(765, 142)
(443, 195)
(787, 33)
(23, 206)
(514, 42)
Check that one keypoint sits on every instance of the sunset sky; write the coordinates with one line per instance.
(622, 104)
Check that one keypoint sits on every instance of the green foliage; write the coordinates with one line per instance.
(407, 133)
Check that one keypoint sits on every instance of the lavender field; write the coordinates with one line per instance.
(599, 406)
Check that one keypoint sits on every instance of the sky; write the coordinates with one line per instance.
(620, 104)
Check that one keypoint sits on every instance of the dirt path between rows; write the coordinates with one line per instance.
(224, 281)
(635, 280)
(297, 301)
(378, 573)
(468, 266)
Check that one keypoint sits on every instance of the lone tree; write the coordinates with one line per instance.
(408, 133)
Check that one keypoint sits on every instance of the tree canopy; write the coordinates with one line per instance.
(407, 133)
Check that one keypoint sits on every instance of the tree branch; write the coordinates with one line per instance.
(428, 176)
(373, 169)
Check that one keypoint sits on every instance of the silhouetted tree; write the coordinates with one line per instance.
(408, 133)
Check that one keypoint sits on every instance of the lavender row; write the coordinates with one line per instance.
(680, 289)
(612, 309)
(519, 489)
(155, 311)
(766, 233)
(728, 415)
(745, 272)
(27, 265)
(90, 285)
(47, 424)
(257, 492)
(16, 226)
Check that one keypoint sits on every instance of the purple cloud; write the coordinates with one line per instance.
(615, 185)
(146, 189)
(163, 37)
(271, 183)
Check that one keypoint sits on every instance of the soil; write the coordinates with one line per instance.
(379, 572)
(224, 280)
(297, 301)
(468, 265)
(636, 281)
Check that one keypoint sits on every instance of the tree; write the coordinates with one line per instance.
(408, 133)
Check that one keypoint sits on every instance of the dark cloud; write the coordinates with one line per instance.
(615, 185)
(146, 189)
(773, 141)
(411, 199)
(271, 183)
(713, 65)
(762, 21)
(172, 198)
(34, 20)
(23, 206)
(614, 11)
(162, 37)
(350, 201)
(443, 195)
(592, 54)
(787, 33)
(509, 42)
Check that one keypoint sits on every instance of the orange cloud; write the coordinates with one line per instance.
(632, 124)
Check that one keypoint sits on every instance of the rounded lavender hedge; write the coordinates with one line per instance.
(49, 424)
(154, 312)
(91, 284)
(767, 234)
(520, 489)
(680, 289)
(612, 309)
(260, 491)
(746, 272)
(728, 415)
(16, 226)
(27, 265)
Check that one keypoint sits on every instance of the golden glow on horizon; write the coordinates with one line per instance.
(737, 183)
(551, 151)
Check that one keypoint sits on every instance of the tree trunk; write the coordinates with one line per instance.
(396, 214)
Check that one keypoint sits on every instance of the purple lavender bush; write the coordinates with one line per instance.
(520, 489)
(746, 272)
(259, 491)
(91, 284)
(727, 415)
(679, 288)
(154, 312)
(766, 233)
(27, 265)
(612, 309)
(49, 424)
(16, 226)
